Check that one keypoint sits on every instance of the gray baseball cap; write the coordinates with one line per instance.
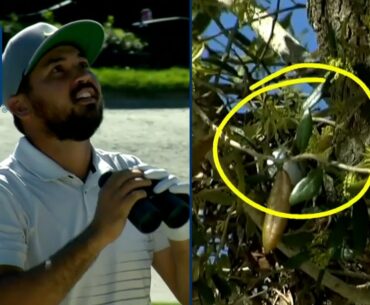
(26, 48)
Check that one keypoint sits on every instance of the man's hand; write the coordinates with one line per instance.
(172, 263)
(49, 286)
(118, 195)
(167, 181)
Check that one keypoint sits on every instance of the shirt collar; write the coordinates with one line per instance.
(100, 166)
(47, 169)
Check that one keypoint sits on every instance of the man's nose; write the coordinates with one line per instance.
(82, 75)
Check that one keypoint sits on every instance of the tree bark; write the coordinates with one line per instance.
(343, 32)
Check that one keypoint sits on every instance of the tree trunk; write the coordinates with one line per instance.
(343, 32)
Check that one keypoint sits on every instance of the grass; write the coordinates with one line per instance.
(166, 304)
(143, 81)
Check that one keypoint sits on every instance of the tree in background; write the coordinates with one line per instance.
(130, 42)
(118, 45)
(303, 149)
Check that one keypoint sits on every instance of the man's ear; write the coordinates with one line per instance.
(19, 106)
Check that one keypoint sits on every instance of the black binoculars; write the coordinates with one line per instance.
(147, 214)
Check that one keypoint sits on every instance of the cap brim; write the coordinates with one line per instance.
(86, 35)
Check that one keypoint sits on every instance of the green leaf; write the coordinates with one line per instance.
(216, 196)
(197, 51)
(314, 97)
(360, 223)
(317, 94)
(297, 260)
(304, 131)
(307, 188)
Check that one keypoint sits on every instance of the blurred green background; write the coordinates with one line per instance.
(147, 42)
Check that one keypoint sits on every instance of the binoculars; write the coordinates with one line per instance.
(147, 214)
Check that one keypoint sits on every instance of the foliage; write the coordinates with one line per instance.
(122, 40)
(229, 262)
(11, 26)
(143, 81)
(117, 39)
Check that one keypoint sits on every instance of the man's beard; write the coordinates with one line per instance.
(75, 126)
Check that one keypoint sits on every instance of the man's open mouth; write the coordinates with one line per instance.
(86, 95)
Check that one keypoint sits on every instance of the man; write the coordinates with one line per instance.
(63, 239)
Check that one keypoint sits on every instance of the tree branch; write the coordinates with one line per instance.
(323, 120)
(352, 274)
(350, 292)
(282, 42)
(331, 163)
(226, 139)
(265, 47)
(283, 10)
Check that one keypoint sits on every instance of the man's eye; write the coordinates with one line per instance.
(57, 69)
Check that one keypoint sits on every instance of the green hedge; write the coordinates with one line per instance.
(143, 81)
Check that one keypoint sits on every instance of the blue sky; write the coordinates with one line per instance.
(302, 29)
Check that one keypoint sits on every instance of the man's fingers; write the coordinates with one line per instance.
(140, 176)
(120, 177)
(151, 172)
(134, 197)
(130, 185)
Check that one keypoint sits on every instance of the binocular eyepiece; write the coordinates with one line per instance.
(147, 214)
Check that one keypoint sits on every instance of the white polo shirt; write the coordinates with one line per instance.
(43, 207)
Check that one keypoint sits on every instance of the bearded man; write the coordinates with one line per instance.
(63, 238)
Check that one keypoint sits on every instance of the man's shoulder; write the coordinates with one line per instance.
(118, 160)
(10, 178)
(6, 162)
(8, 168)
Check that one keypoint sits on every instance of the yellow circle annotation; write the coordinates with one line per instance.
(274, 86)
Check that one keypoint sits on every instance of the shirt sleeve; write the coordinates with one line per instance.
(123, 161)
(13, 247)
(160, 239)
